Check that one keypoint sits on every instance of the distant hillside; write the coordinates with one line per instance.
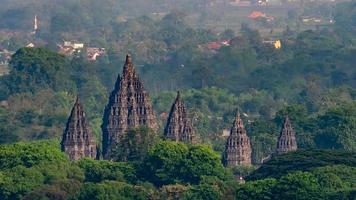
(305, 160)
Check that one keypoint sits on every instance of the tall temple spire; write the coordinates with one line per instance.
(179, 127)
(237, 147)
(77, 139)
(129, 107)
(128, 67)
(287, 141)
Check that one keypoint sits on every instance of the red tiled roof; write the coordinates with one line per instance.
(256, 14)
(214, 45)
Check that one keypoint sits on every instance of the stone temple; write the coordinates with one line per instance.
(286, 141)
(78, 140)
(129, 107)
(238, 147)
(179, 127)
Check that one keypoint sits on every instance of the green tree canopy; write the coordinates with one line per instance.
(170, 162)
(38, 68)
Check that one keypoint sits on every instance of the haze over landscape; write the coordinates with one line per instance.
(168, 99)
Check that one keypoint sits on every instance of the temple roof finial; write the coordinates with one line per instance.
(178, 95)
(128, 59)
(287, 122)
(238, 119)
(128, 68)
(77, 99)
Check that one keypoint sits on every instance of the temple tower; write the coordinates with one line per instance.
(129, 107)
(238, 147)
(286, 141)
(77, 139)
(179, 127)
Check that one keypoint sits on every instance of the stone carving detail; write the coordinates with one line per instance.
(77, 139)
(286, 141)
(129, 107)
(238, 147)
(179, 127)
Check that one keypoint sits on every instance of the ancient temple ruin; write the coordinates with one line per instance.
(238, 147)
(129, 107)
(286, 141)
(179, 127)
(77, 139)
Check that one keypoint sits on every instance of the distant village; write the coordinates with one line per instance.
(67, 48)
(72, 47)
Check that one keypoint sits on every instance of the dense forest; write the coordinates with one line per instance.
(311, 78)
(170, 170)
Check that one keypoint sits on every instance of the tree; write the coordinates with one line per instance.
(175, 191)
(134, 144)
(30, 169)
(112, 190)
(337, 128)
(202, 161)
(257, 190)
(100, 170)
(336, 177)
(297, 113)
(8, 131)
(164, 163)
(171, 162)
(60, 190)
(298, 186)
(29, 154)
(302, 160)
(38, 68)
(20, 181)
(203, 191)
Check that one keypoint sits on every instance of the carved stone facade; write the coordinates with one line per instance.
(286, 141)
(238, 147)
(129, 107)
(77, 139)
(179, 127)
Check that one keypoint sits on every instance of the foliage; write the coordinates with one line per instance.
(164, 162)
(134, 144)
(175, 191)
(112, 190)
(202, 192)
(202, 161)
(298, 185)
(100, 170)
(38, 68)
(311, 79)
(305, 160)
(28, 168)
(35, 116)
(170, 162)
(336, 177)
(260, 189)
(29, 154)
(337, 128)
(60, 190)
(54, 177)
(210, 187)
